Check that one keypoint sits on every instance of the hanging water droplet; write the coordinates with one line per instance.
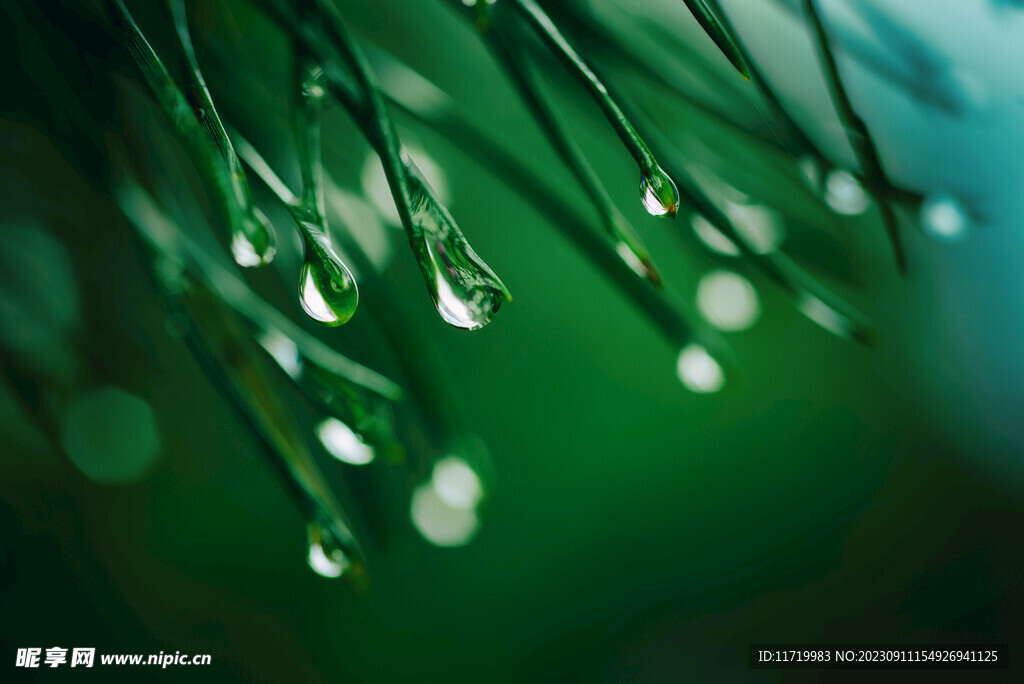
(344, 444)
(728, 301)
(844, 193)
(465, 291)
(253, 243)
(658, 193)
(944, 218)
(327, 290)
(699, 371)
(326, 557)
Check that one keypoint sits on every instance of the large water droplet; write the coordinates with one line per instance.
(327, 290)
(344, 444)
(699, 371)
(728, 301)
(944, 218)
(464, 289)
(326, 557)
(844, 193)
(658, 193)
(254, 243)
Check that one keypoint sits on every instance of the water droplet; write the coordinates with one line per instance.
(465, 291)
(728, 301)
(344, 444)
(457, 483)
(254, 243)
(326, 557)
(658, 193)
(713, 238)
(944, 218)
(699, 371)
(439, 522)
(844, 193)
(327, 290)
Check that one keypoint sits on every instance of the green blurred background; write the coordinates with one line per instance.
(633, 531)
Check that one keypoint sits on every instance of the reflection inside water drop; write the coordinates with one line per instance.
(327, 290)
(658, 193)
(699, 371)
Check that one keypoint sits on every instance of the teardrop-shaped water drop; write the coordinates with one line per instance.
(327, 290)
(944, 218)
(464, 289)
(254, 242)
(658, 193)
(326, 556)
(699, 371)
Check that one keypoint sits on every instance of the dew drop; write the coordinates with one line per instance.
(844, 193)
(344, 444)
(944, 218)
(326, 557)
(465, 291)
(327, 290)
(254, 242)
(658, 193)
(699, 371)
